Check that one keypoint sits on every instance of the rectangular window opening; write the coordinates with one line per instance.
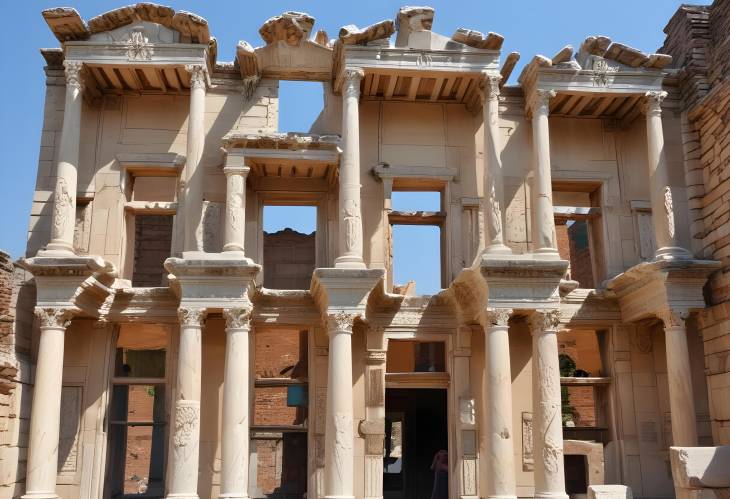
(281, 406)
(137, 413)
(290, 247)
(300, 105)
(416, 241)
(152, 246)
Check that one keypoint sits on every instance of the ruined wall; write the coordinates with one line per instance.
(698, 37)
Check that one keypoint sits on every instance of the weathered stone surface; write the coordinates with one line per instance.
(609, 492)
(290, 27)
(476, 39)
(352, 35)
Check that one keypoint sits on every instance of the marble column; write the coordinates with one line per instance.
(183, 466)
(235, 223)
(662, 203)
(500, 451)
(63, 220)
(45, 413)
(339, 435)
(546, 406)
(493, 180)
(235, 432)
(194, 172)
(543, 229)
(679, 374)
(350, 219)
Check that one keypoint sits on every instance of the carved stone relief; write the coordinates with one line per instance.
(187, 419)
(528, 460)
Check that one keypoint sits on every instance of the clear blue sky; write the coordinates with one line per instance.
(529, 27)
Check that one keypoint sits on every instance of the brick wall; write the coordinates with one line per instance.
(289, 259)
(698, 38)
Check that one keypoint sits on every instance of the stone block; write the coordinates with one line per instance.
(701, 467)
(609, 492)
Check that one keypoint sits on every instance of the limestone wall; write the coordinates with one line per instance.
(698, 37)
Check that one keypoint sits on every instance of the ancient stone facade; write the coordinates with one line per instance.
(582, 324)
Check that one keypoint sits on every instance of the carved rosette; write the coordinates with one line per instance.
(490, 85)
(673, 318)
(653, 102)
(139, 47)
(545, 320)
(54, 317)
(498, 316)
(72, 69)
(353, 77)
(341, 321)
(197, 75)
(238, 318)
(541, 103)
(192, 316)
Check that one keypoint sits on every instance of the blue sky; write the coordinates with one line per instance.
(529, 27)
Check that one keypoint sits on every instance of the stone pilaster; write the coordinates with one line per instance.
(45, 412)
(373, 428)
(194, 175)
(499, 433)
(339, 435)
(63, 219)
(546, 404)
(493, 178)
(236, 411)
(183, 464)
(662, 198)
(350, 213)
(543, 226)
(679, 374)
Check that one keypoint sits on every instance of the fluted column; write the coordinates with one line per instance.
(543, 228)
(45, 410)
(194, 174)
(339, 436)
(350, 228)
(235, 223)
(679, 374)
(183, 466)
(500, 458)
(493, 179)
(235, 434)
(662, 202)
(64, 194)
(546, 406)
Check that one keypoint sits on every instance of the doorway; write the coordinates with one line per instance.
(416, 439)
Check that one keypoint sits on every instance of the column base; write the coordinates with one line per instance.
(56, 250)
(349, 262)
(672, 253)
(183, 495)
(502, 497)
(339, 497)
(233, 495)
(497, 249)
(547, 253)
(40, 495)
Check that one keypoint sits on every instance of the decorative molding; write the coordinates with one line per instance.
(191, 316)
(138, 46)
(341, 321)
(353, 77)
(490, 85)
(54, 317)
(374, 357)
(238, 318)
(498, 316)
(73, 73)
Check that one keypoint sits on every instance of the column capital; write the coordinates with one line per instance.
(191, 316)
(543, 321)
(236, 170)
(540, 102)
(498, 316)
(198, 73)
(54, 317)
(72, 70)
(239, 317)
(353, 77)
(673, 317)
(341, 321)
(652, 105)
(490, 85)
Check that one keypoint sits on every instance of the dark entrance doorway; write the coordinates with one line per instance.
(416, 430)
